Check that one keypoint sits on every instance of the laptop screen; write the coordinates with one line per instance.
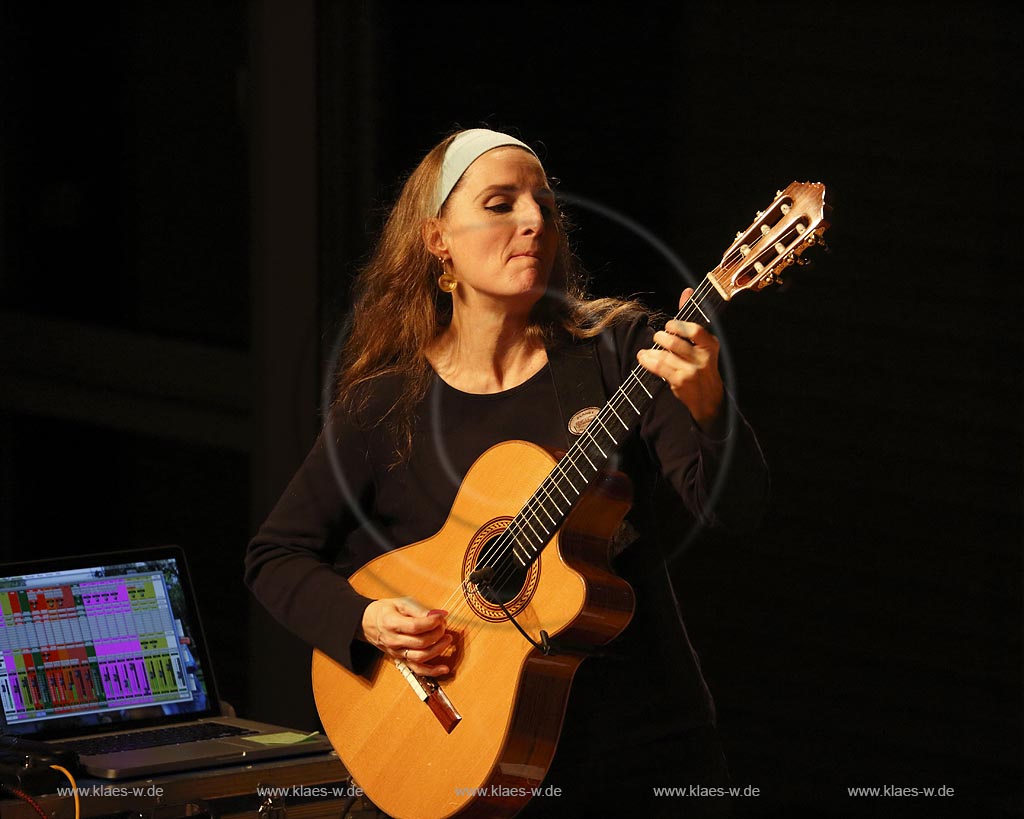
(89, 644)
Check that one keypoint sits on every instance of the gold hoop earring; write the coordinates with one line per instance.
(447, 281)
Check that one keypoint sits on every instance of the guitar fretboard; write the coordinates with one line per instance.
(547, 509)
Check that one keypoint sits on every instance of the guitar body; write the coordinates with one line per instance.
(478, 747)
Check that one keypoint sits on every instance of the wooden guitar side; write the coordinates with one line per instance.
(511, 697)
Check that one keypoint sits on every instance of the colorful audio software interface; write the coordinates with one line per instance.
(74, 643)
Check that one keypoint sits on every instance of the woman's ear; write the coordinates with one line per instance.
(433, 237)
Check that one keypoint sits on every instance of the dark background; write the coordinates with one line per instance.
(186, 190)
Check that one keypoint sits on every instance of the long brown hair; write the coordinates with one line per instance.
(398, 309)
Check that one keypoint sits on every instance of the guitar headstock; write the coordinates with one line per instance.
(778, 236)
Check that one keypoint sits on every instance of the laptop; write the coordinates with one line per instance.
(108, 650)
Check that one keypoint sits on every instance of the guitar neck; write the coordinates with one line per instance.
(794, 221)
(540, 518)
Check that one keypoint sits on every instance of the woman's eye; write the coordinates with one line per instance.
(502, 207)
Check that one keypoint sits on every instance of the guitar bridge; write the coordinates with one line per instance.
(429, 692)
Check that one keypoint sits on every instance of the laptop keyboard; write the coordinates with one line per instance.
(172, 735)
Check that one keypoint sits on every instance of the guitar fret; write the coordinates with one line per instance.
(546, 512)
(606, 431)
(556, 515)
(569, 480)
(572, 461)
(525, 557)
(564, 497)
(531, 543)
(596, 455)
(531, 549)
(549, 503)
(529, 523)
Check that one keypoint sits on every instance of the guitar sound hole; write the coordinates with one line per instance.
(498, 574)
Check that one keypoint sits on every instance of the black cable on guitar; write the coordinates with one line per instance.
(481, 579)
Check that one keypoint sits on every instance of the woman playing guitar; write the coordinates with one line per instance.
(470, 295)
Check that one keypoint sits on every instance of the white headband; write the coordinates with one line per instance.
(464, 150)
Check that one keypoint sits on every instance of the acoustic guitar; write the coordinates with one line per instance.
(521, 565)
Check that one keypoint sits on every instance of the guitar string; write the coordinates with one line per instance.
(514, 535)
(706, 286)
(542, 499)
(495, 549)
(458, 601)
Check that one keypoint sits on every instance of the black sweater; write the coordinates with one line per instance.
(348, 502)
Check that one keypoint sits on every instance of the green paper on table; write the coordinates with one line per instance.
(283, 738)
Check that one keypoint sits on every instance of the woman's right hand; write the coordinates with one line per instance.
(407, 631)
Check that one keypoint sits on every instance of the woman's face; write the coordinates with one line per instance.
(498, 229)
